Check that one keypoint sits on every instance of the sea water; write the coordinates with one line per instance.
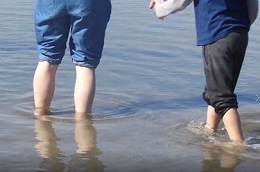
(148, 110)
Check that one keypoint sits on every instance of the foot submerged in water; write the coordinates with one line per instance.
(41, 113)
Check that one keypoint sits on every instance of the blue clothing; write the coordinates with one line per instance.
(215, 19)
(84, 21)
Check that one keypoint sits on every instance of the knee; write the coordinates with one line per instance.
(221, 104)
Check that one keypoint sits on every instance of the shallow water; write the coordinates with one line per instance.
(148, 108)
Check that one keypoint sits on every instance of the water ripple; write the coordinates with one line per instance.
(106, 106)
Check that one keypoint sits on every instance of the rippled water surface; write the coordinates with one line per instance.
(148, 110)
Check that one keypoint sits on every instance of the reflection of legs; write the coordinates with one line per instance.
(85, 135)
(84, 89)
(85, 158)
(210, 161)
(47, 146)
(43, 86)
(228, 161)
(217, 160)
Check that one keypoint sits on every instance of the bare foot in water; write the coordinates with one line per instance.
(42, 113)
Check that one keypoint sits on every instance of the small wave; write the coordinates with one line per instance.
(207, 135)
(249, 150)
(253, 143)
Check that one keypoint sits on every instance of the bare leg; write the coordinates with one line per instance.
(43, 86)
(84, 91)
(213, 118)
(233, 125)
(231, 121)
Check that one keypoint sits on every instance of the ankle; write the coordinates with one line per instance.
(41, 111)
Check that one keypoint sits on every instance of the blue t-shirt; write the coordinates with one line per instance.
(215, 19)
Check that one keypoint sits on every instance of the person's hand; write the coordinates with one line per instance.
(154, 2)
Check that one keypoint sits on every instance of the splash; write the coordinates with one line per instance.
(253, 143)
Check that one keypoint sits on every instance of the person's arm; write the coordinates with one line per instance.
(252, 6)
(167, 7)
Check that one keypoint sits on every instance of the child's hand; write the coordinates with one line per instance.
(154, 2)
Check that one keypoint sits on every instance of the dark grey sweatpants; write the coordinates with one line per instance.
(222, 64)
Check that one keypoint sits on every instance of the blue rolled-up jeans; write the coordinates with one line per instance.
(82, 22)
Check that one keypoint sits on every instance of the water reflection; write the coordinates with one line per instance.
(47, 146)
(85, 156)
(216, 159)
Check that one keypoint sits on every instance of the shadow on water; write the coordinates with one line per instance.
(85, 157)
